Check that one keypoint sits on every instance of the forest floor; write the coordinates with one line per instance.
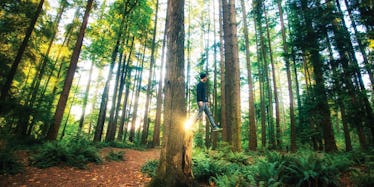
(109, 173)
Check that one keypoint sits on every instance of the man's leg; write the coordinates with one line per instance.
(199, 114)
(210, 116)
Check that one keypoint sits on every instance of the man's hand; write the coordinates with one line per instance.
(201, 104)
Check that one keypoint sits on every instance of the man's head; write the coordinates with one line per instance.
(203, 76)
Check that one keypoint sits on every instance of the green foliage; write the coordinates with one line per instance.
(9, 163)
(150, 167)
(122, 145)
(362, 179)
(76, 153)
(115, 156)
(234, 180)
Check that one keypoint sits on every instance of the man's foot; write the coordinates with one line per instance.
(216, 129)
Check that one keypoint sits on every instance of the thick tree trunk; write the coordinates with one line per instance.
(232, 74)
(53, 131)
(175, 168)
(252, 118)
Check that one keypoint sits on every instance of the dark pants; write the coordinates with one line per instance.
(205, 109)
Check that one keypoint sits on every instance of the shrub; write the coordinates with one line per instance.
(115, 156)
(76, 153)
(150, 167)
(9, 163)
(235, 180)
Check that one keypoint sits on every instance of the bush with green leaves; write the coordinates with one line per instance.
(76, 153)
(115, 156)
(150, 167)
(9, 163)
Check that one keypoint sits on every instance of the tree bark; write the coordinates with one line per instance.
(53, 131)
(289, 80)
(175, 168)
(149, 87)
(276, 99)
(252, 118)
(232, 74)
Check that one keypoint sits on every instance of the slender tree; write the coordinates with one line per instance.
(9, 79)
(252, 118)
(289, 79)
(52, 133)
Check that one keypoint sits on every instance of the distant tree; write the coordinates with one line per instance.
(252, 118)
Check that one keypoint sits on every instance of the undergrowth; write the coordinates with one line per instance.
(75, 153)
(304, 168)
(9, 162)
(115, 156)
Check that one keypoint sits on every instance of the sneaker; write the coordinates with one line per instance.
(216, 129)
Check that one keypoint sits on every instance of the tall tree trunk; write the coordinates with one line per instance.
(232, 74)
(261, 85)
(146, 110)
(85, 98)
(104, 97)
(53, 131)
(321, 98)
(127, 73)
(137, 95)
(175, 168)
(252, 118)
(289, 80)
(215, 94)
(159, 103)
(9, 79)
(224, 125)
(368, 66)
(276, 99)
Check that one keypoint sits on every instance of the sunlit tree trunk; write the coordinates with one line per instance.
(149, 87)
(53, 131)
(175, 168)
(125, 80)
(104, 97)
(137, 95)
(232, 74)
(252, 118)
(159, 103)
(85, 98)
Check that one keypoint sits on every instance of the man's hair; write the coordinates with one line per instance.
(202, 75)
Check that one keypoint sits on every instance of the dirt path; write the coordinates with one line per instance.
(123, 173)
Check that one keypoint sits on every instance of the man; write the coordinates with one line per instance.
(202, 101)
